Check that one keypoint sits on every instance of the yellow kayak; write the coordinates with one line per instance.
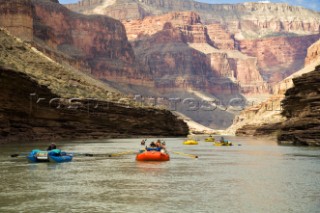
(190, 142)
(222, 144)
(209, 139)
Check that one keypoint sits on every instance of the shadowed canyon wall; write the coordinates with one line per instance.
(24, 119)
(301, 107)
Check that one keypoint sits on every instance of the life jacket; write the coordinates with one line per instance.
(158, 149)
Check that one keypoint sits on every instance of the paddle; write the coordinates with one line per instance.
(185, 154)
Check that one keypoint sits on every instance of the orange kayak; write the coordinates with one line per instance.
(152, 156)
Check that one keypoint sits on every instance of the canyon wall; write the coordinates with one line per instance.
(179, 52)
(301, 107)
(16, 16)
(94, 44)
(23, 119)
(264, 118)
(253, 19)
(42, 100)
(99, 41)
(278, 57)
(313, 54)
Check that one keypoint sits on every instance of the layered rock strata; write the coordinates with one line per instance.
(313, 54)
(278, 57)
(180, 54)
(94, 44)
(264, 118)
(42, 100)
(253, 19)
(24, 118)
(16, 16)
(301, 107)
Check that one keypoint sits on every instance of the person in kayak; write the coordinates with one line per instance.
(52, 146)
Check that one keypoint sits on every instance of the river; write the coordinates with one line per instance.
(255, 175)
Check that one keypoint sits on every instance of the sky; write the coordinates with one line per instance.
(311, 4)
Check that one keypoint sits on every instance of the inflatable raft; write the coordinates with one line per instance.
(152, 156)
(190, 142)
(61, 157)
(209, 139)
(55, 155)
(37, 156)
(222, 144)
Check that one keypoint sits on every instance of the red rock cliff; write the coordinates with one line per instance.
(16, 16)
(162, 43)
(255, 19)
(100, 41)
(280, 56)
(179, 51)
(313, 53)
(95, 43)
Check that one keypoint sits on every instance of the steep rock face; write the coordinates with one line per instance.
(180, 54)
(94, 44)
(254, 19)
(161, 44)
(42, 100)
(313, 53)
(264, 118)
(259, 119)
(278, 57)
(23, 119)
(234, 67)
(235, 26)
(16, 16)
(221, 38)
(301, 107)
(187, 26)
(100, 41)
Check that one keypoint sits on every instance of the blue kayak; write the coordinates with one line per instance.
(55, 156)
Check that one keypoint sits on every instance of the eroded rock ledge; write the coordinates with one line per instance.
(53, 118)
(301, 107)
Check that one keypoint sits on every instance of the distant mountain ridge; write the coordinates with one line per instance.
(252, 19)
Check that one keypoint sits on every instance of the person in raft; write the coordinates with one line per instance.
(163, 147)
(143, 147)
(154, 146)
(223, 141)
(52, 146)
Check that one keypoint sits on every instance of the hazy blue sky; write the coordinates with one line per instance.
(312, 4)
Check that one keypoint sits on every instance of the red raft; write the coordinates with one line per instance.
(152, 156)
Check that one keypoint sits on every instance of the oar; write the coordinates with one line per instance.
(122, 153)
(19, 155)
(80, 154)
(185, 154)
(99, 155)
